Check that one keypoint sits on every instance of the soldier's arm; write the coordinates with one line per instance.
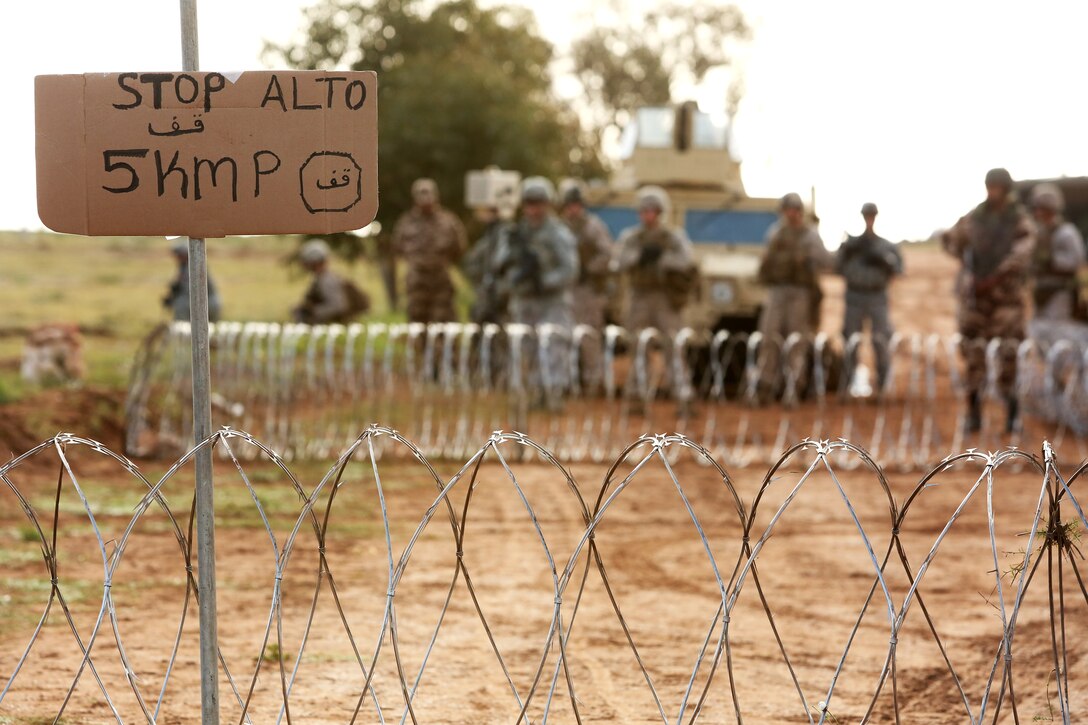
(602, 242)
(821, 259)
(895, 257)
(628, 251)
(472, 264)
(954, 240)
(680, 254)
(1068, 249)
(1018, 262)
(843, 253)
(565, 271)
(460, 238)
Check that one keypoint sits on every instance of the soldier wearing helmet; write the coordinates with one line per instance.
(994, 243)
(793, 258)
(1059, 252)
(868, 263)
(330, 298)
(536, 264)
(658, 264)
(430, 239)
(591, 292)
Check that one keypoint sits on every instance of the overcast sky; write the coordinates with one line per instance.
(904, 104)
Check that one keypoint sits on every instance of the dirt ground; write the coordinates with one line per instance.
(814, 576)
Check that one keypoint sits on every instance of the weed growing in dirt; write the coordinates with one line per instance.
(1049, 716)
(1066, 537)
(273, 653)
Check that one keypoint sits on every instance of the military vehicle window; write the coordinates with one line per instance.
(655, 127)
(708, 133)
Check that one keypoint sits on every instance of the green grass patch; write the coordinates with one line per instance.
(113, 287)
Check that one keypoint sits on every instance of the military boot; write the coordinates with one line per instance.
(973, 422)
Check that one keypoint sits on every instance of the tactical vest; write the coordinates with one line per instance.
(1047, 280)
(650, 277)
(587, 253)
(994, 237)
(788, 261)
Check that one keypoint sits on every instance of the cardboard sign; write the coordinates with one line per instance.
(207, 154)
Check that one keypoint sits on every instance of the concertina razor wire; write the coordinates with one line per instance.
(726, 680)
(585, 394)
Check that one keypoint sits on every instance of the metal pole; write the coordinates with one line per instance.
(202, 428)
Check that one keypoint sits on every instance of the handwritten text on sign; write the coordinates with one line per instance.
(207, 154)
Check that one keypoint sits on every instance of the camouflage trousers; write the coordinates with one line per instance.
(549, 368)
(589, 306)
(430, 296)
(871, 306)
(652, 308)
(787, 309)
(983, 318)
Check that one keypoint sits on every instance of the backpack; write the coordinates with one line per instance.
(358, 300)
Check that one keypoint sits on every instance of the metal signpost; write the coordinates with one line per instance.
(202, 428)
(206, 155)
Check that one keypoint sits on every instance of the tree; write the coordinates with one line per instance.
(459, 87)
(625, 65)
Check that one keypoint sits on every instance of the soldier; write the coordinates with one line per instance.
(792, 261)
(177, 296)
(537, 265)
(1059, 252)
(995, 243)
(595, 251)
(490, 304)
(659, 266)
(868, 262)
(430, 239)
(330, 298)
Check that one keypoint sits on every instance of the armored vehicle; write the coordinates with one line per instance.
(684, 151)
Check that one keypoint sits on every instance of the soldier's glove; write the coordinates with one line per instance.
(650, 254)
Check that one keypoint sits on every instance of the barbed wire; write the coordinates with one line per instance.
(894, 573)
(307, 390)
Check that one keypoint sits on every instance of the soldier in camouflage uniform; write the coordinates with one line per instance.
(792, 261)
(1059, 252)
(995, 243)
(431, 240)
(595, 251)
(658, 264)
(177, 296)
(330, 298)
(868, 262)
(489, 305)
(536, 263)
